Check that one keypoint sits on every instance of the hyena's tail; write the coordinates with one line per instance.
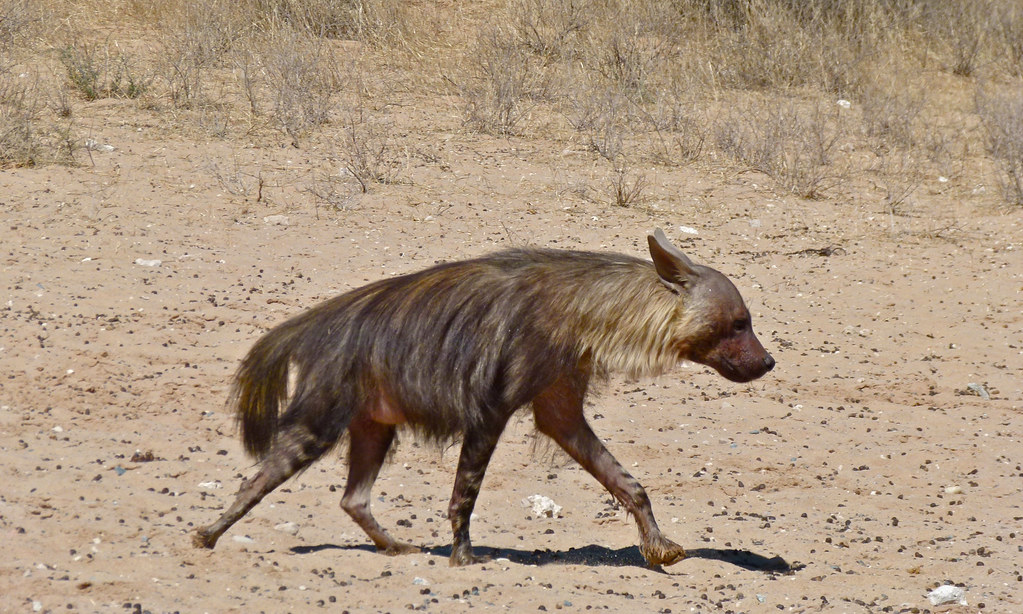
(261, 386)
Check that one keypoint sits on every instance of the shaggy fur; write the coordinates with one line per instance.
(454, 350)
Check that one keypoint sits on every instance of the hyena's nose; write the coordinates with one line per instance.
(768, 363)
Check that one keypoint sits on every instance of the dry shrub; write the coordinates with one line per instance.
(333, 191)
(765, 44)
(198, 38)
(369, 151)
(1002, 116)
(30, 132)
(235, 180)
(18, 145)
(502, 85)
(683, 144)
(769, 50)
(890, 113)
(27, 136)
(551, 28)
(636, 79)
(303, 78)
(957, 30)
(602, 114)
(678, 125)
(625, 186)
(632, 57)
(793, 146)
(19, 21)
(320, 18)
(373, 21)
(1008, 36)
(898, 173)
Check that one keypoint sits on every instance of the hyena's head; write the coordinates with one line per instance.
(715, 327)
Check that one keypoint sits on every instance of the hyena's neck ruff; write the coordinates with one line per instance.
(626, 322)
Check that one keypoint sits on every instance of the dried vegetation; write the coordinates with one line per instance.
(814, 94)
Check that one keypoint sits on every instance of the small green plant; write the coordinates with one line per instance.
(83, 70)
(97, 74)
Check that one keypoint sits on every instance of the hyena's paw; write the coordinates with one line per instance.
(461, 558)
(398, 548)
(202, 539)
(662, 551)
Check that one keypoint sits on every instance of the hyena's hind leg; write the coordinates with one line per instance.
(295, 449)
(559, 415)
(369, 442)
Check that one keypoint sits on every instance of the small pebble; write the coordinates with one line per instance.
(287, 527)
(978, 390)
(947, 593)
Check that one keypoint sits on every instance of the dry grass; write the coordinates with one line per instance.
(625, 186)
(793, 145)
(18, 143)
(644, 80)
(1002, 114)
(369, 151)
(302, 78)
(501, 85)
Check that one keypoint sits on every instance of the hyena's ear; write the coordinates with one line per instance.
(672, 265)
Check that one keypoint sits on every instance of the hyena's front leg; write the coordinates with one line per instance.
(559, 414)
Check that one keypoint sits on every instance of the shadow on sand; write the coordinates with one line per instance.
(596, 556)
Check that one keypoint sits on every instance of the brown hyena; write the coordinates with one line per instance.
(454, 350)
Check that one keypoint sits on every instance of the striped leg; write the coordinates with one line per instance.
(477, 448)
(559, 414)
(295, 450)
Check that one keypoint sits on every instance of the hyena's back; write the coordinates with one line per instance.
(449, 345)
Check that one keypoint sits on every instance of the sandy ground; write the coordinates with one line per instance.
(881, 458)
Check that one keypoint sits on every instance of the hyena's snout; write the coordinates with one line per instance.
(740, 358)
(750, 359)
